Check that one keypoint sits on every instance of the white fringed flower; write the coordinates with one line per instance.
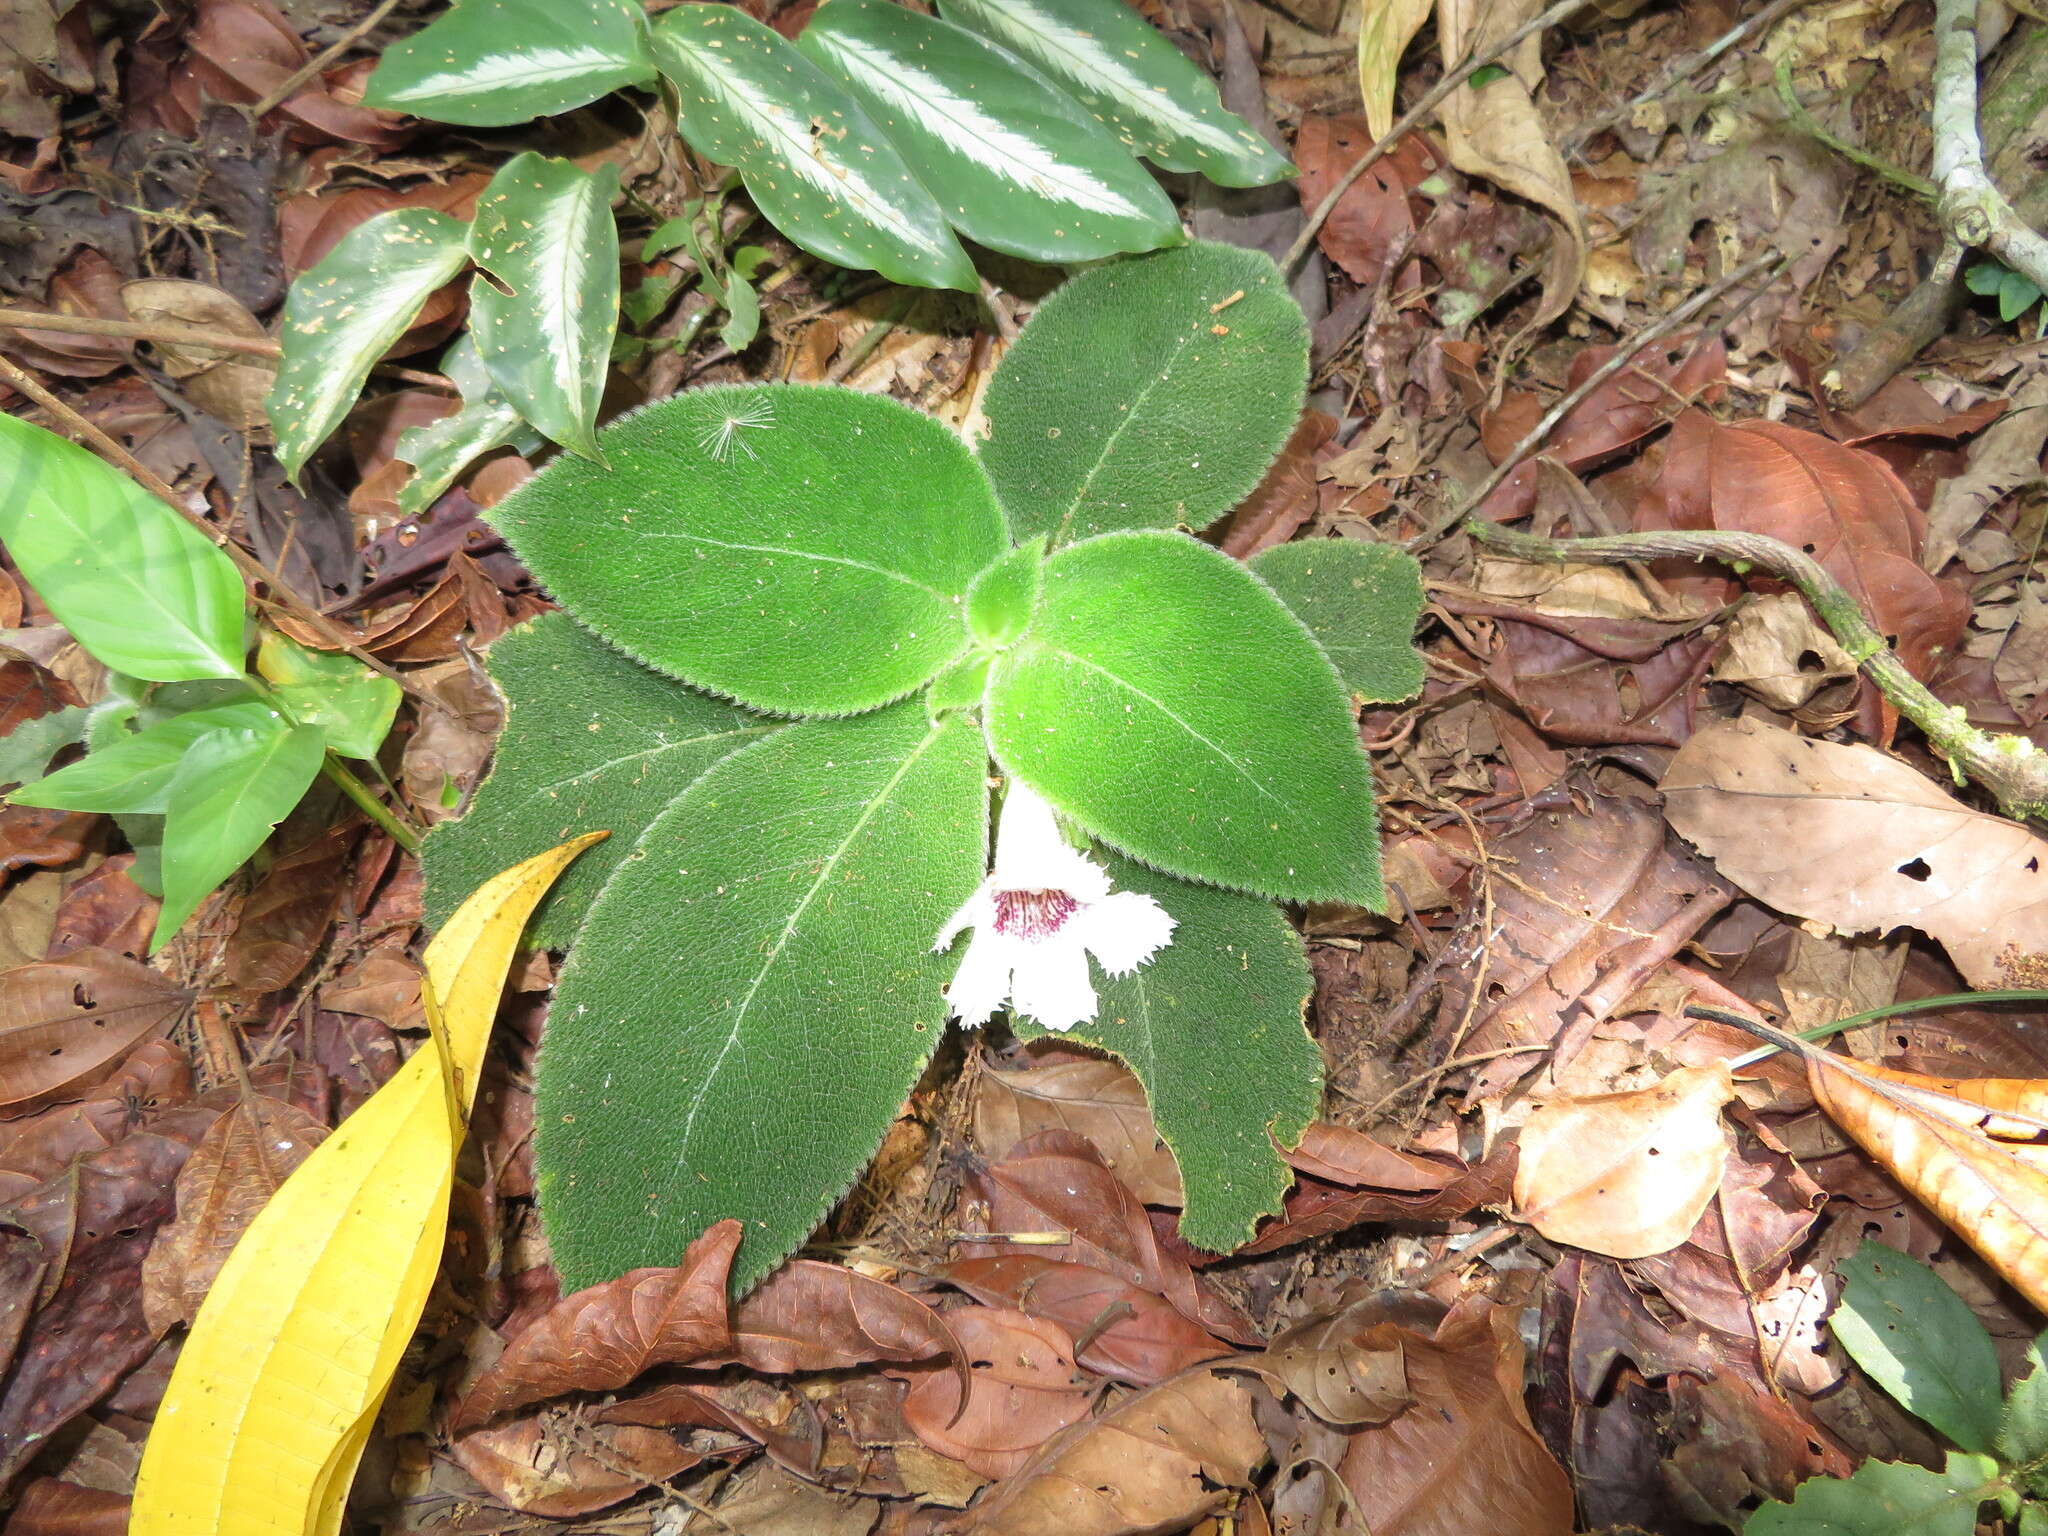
(1038, 916)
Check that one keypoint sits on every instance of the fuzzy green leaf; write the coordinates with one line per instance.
(494, 63)
(1000, 603)
(544, 230)
(1212, 1026)
(1127, 74)
(816, 164)
(344, 314)
(352, 705)
(1168, 702)
(229, 793)
(754, 993)
(1884, 1498)
(1146, 394)
(592, 740)
(2023, 1427)
(1016, 163)
(961, 685)
(133, 771)
(802, 550)
(139, 587)
(1362, 602)
(1921, 1342)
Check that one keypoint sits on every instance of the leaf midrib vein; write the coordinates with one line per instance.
(807, 554)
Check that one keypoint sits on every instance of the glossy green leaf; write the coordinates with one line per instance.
(1147, 393)
(139, 587)
(342, 316)
(26, 750)
(231, 790)
(1212, 1025)
(1166, 701)
(800, 549)
(495, 63)
(1126, 73)
(133, 771)
(1362, 602)
(1000, 603)
(814, 162)
(2016, 295)
(1921, 1342)
(1885, 1498)
(592, 741)
(1016, 163)
(544, 231)
(352, 706)
(754, 993)
(441, 450)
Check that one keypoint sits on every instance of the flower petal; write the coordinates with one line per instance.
(1032, 856)
(1124, 931)
(982, 984)
(1051, 982)
(978, 911)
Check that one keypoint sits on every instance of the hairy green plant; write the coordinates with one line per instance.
(807, 631)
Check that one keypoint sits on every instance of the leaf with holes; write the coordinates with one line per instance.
(1126, 72)
(1105, 413)
(753, 994)
(546, 305)
(1016, 163)
(62, 1019)
(816, 164)
(496, 63)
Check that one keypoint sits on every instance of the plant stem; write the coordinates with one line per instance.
(1972, 207)
(141, 330)
(2012, 768)
(343, 779)
(1868, 1016)
(1811, 126)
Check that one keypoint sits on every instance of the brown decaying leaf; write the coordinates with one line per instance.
(27, 691)
(1316, 1209)
(809, 1316)
(1096, 1098)
(1055, 1181)
(601, 1338)
(1373, 216)
(1626, 1174)
(1949, 1141)
(1023, 1388)
(106, 909)
(1132, 1335)
(558, 1470)
(229, 1177)
(51, 1507)
(230, 389)
(62, 1020)
(1347, 1369)
(1156, 1462)
(287, 916)
(1287, 497)
(1848, 835)
(1465, 1457)
(1341, 1155)
(34, 838)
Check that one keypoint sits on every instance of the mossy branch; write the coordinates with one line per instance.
(2012, 768)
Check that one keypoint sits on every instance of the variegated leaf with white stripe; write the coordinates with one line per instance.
(1015, 162)
(544, 231)
(816, 164)
(1133, 79)
(491, 63)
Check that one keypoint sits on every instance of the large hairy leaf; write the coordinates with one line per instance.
(814, 161)
(1362, 602)
(754, 992)
(1212, 1026)
(494, 63)
(1016, 163)
(1106, 412)
(802, 550)
(139, 587)
(1167, 701)
(592, 741)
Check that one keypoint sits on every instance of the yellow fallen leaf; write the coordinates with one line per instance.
(289, 1358)
(1626, 1174)
(1385, 29)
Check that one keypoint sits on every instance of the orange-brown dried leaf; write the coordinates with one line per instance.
(560, 1470)
(1097, 1099)
(287, 916)
(1022, 1390)
(1156, 1462)
(601, 1338)
(1374, 215)
(423, 630)
(809, 1316)
(63, 1020)
(1346, 1369)
(1132, 1335)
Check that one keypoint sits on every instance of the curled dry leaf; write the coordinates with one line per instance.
(1132, 1335)
(217, 382)
(558, 1470)
(1626, 1174)
(1098, 1099)
(63, 1020)
(1316, 1208)
(1847, 835)
(1022, 1389)
(601, 1338)
(1346, 1369)
(1156, 1462)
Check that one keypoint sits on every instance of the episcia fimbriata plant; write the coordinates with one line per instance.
(819, 654)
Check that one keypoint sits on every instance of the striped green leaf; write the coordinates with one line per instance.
(493, 63)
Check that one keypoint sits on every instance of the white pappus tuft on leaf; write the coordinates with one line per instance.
(722, 434)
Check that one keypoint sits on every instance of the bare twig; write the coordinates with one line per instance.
(1770, 261)
(313, 66)
(1922, 316)
(141, 330)
(1415, 114)
(1972, 207)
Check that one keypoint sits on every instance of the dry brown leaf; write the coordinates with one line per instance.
(1022, 1389)
(1347, 1369)
(1775, 648)
(1156, 1462)
(1849, 836)
(560, 1471)
(1626, 1174)
(63, 1020)
(1098, 1099)
(217, 382)
(601, 1338)
(1132, 1335)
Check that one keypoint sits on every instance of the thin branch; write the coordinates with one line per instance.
(1625, 358)
(313, 66)
(141, 330)
(1451, 81)
(1972, 207)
